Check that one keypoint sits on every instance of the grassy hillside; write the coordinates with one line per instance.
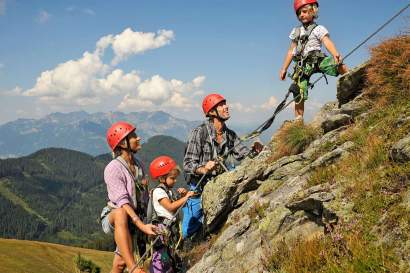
(36, 257)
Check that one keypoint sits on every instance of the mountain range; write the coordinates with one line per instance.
(56, 194)
(83, 131)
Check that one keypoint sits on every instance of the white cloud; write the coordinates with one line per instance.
(118, 82)
(89, 81)
(2, 7)
(43, 17)
(135, 103)
(198, 81)
(82, 82)
(270, 104)
(1, 65)
(103, 43)
(159, 92)
(237, 106)
(254, 108)
(69, 80)
(16, 91)
(131, 42)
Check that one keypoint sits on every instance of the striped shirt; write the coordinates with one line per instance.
(198, 152)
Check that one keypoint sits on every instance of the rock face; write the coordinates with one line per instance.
(260, 203)
(263, 202)
(331, 116)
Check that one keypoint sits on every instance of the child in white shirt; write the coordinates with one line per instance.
(165, 206)
(305, 51)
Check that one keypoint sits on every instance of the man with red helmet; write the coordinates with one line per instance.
(305, 51)
(209, 141)
(121, 175)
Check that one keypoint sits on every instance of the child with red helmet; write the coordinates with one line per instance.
(165, 205)
(121, 175)
(305, 51)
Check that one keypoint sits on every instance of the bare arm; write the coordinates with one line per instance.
(148, 229)
(173, 206)
(287, 61)
(331, 48)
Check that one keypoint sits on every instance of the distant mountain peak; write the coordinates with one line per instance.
(83, 131)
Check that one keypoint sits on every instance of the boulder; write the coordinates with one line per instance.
(351, 84)
(336, 121)
(400, 152)
(356, 106)
(221, 194)
(327, 110)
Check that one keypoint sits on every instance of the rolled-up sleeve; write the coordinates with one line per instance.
(193, 152)
(116, 185)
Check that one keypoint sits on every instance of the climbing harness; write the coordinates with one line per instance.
(305, 65)
(152, 216)
(168, 224)
(283, 104)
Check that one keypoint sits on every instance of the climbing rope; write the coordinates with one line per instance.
(264, 126)
(365, 40)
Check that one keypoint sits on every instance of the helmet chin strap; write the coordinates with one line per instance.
(130, 152)
(219, 116)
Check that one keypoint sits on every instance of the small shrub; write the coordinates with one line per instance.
(322, 175)
(293, 138)
(389, 70)
(86, 266)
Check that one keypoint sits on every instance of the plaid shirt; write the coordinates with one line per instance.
(197, 155)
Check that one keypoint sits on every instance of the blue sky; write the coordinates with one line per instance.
(165, 55)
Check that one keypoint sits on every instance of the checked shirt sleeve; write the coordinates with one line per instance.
(240, 151)
(192, 159)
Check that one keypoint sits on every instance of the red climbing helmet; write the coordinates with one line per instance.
(211, 101)
(300, 3)
(161, 165)
(117, 132)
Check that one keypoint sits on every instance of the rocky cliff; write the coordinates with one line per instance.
(330, 196)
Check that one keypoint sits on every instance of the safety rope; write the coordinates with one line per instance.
(311, 85)
(265, 125)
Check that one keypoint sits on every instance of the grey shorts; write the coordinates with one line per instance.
(108, 228)
(105, 222)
